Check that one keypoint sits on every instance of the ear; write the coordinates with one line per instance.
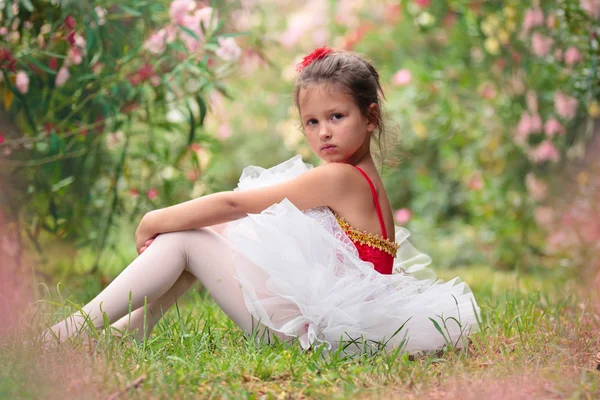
(373, 117)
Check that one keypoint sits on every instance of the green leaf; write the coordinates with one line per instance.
(53, 143)
(62, 183)
(27, 4)
(41, 66)
(203, 109)
(438, 328)
(189, 32)
(192, 133)
(130, 11)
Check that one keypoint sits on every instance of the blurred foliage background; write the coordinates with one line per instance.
(111, 109)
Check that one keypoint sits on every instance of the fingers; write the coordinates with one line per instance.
(148, 243)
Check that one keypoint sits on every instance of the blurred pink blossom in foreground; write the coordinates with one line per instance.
(228, 49)
(533, 17)
(157, 42)
(22, 82)
(541, 44)
(152, 194)
(591, 7)
(553, 127)
(546, 151)
(565, 106)
(402, 77)
(475, 182)
(225, 131)
(572, 56)
(179, 9)
(402, 216)
(528, 124)
(62, 76)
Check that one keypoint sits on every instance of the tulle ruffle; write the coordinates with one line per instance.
(301, 276)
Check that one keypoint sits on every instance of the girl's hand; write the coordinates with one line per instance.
(143, 235)
(146, 245)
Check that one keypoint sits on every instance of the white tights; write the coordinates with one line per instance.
(161, 274)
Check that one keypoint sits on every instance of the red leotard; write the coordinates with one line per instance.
(371, 247)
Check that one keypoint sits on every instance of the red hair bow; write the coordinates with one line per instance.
(317, 54)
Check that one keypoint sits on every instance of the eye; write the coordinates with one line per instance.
(336, 116)
(311, 122)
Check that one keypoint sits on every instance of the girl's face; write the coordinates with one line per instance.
(336, 129)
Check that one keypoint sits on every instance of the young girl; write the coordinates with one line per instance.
(299, 252)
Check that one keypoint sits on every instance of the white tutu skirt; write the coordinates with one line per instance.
(301, 276)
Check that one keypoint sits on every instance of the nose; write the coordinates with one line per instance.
(324, 132)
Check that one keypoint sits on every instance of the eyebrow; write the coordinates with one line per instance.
(328, 111)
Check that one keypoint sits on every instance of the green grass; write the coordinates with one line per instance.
(539, 339)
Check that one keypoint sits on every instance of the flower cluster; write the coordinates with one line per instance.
(190, 22)
(7, 60)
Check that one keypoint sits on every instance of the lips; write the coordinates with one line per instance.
(327, 146)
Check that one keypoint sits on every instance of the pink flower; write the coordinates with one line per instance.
(1, 138)
(70, 22)
(533, 17)
(591, 7)
(74, 56)
(179, 9)
(487, 91)
(205, 16)
(422, 3)
(134, 193)
(71, 38)
(62, 76)
(402, 216)
(536, 187)
(541, 44)
(553, 127)
(224, 131)
(572, 56)
(565, 106)
(156, 43)
(22, 82)
(402, 77)
(152, 194)
(100, 13)
(544, 152)
(114, 139)
(228, 49)
(528, 124)
(194, 23)
(475, 182)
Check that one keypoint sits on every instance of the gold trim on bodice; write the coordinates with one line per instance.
(371, 239)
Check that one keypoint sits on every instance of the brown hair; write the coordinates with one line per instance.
(355, 75)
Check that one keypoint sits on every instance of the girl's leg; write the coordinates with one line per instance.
(202, 252)
(134, 322)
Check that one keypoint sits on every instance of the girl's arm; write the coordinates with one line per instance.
(325, 185)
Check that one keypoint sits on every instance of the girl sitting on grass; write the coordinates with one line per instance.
(296, 251)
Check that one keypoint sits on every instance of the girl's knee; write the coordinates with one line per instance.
(181, 238)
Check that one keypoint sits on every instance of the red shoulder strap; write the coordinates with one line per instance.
(376, 200)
